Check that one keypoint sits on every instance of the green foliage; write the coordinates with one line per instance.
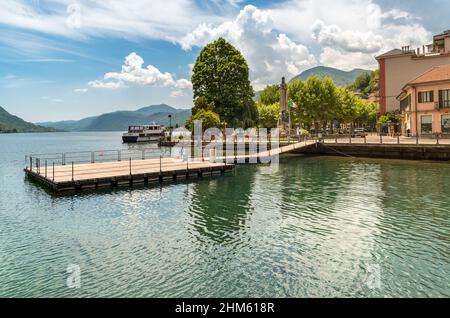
(348, 104)
(201, 103)
(209, 119)
(317, 99)
(320, 103)
(366, 83)
(387, 118)
(268, 115)
(270, 95)
(367, 112)
(221, 76)
(362, 84)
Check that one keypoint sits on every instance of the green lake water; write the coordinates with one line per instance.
(318, 227)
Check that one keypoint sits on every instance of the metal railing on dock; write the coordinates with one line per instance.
(97, 156)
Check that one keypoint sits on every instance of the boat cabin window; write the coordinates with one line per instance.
(142, 128)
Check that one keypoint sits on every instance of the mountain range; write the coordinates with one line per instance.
(159, 114)
(11, 123)
(120, 120)
(340, 78)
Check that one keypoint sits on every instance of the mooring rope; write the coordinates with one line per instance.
(337, 151)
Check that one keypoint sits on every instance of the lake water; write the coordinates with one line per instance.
(320, 226)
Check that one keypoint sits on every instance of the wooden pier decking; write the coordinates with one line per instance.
(112, 174)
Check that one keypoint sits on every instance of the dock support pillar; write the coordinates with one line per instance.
(130, 166)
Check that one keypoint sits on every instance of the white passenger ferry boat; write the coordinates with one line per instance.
(146, 133)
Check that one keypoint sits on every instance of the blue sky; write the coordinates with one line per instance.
(68, 59)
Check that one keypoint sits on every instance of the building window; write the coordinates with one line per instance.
(405, 103)
(445, 124)
(444, 98)
(426, 97)
(426, 124)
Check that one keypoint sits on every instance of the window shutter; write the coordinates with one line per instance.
(431, 96)
(420, 97)
(441, 98)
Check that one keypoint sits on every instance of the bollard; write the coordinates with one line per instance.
(365, 139)
(398, 139)
(119, 155)
(92, 157)
(437, 139)
(31, 163)
(160, 164)
(53, 177)
(72, 171)
(45, 168)
(130, 166)
(143, 154)
(381, 139)
(335, 139)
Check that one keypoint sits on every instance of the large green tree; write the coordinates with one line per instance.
(221, 75)
(319, 100)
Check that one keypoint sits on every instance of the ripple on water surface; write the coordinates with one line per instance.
(316, 227)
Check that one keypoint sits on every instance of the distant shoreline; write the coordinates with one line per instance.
(30, 132)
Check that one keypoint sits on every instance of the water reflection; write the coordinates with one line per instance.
(317, 227)
(219, 207)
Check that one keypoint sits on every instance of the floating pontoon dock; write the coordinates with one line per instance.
(119, 173)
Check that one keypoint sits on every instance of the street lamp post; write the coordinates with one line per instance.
(170, 127)
(225, 131)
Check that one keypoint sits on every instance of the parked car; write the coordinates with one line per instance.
(359, 132)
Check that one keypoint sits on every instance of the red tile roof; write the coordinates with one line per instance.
(435, 74)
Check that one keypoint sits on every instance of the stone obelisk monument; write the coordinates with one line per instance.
(284, 123)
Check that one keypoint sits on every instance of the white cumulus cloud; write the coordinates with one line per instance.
(346, 40)
(134, 72)
(269, 53)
